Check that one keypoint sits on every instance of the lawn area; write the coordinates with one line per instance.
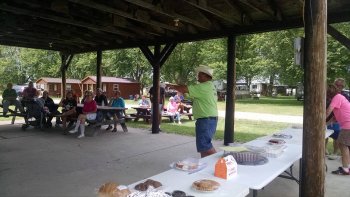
(245, 130)
(282, 105)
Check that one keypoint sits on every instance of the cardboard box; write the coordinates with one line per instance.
(226, 167)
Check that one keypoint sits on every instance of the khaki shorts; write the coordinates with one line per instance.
(344, 137)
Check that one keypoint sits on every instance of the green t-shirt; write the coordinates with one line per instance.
(9, 93)
(204, 98)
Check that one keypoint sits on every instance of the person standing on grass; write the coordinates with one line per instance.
(340, 106)
(161, 99)
(205, 110)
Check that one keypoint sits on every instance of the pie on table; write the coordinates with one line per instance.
(205, 185)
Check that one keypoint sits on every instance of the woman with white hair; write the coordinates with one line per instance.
(172, 110)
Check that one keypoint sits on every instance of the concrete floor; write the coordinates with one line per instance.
(34, 163)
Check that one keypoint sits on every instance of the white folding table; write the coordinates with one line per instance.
(180, 180)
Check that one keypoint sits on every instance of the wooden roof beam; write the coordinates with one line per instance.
(168, 12)
(49, 36)
(44, 41)
(245, 17)
(273, 11)
(26, 44)
(105, 8)
(338, 36)
(62, 20)
(203, 5)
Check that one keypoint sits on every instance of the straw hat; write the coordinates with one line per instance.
(204, 69)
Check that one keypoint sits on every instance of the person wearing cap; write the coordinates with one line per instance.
(204, 108)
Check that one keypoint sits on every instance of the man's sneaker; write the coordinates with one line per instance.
(81, 136)
(109, 127)
(73, 131)
(340, 171)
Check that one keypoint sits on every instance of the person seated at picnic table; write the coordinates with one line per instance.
(29, 93)
(144, 102)
(88, 113)
(117, 101)
(178, 99)
(9, 97)
(100, 98)
(172, 110)
(50, 108)
(69, 105)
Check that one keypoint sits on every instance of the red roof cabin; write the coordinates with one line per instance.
(53, 85)
(126, 86)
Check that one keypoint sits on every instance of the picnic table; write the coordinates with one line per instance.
(142, 112)
(13, 113)
(104, 120)
(252, 177)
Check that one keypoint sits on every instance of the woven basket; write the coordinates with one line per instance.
(248, 158)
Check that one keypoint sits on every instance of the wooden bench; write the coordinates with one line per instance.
(189, 115)
(96, 125)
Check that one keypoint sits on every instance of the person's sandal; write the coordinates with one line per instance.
(340, 171)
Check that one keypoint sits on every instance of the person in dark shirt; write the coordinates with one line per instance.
(100, 98)
(69, 105)
(161, 99)
(9, 97)
(49, 107)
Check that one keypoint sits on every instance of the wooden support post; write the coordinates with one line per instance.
(157, 59)
(98, 69)
(230, 92)
(313, 165)
(66, 59)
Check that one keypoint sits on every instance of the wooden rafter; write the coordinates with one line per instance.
(204, 6)
(63, 20)
(169, 13)
(101, 7)
(272, 10)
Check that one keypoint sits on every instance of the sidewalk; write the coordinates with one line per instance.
(266, 117)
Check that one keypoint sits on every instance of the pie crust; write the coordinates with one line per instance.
(205, 185)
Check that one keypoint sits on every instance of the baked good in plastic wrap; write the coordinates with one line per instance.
(111, 189)
(273, 151)
(148, 183)
(187, 164)
(150, 192)
(276, 141)
(205, 185)
(248, 158)
(282, 135)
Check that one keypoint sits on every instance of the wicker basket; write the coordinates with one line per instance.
(248, 158)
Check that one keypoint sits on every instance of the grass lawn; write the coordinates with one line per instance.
(245, 130)
(282, 105)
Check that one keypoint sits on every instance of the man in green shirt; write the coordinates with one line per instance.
(204, 96)
(9, 97)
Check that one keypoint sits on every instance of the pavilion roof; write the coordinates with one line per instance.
(76, 26)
